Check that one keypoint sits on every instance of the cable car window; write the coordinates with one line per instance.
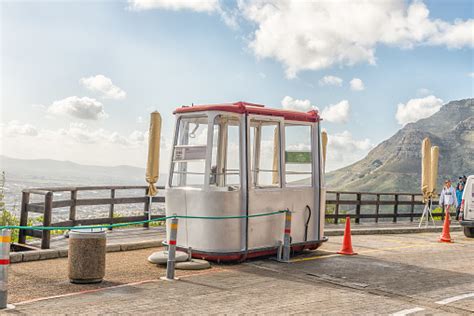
(298, 155)
(264, 153)
(225, 166)
(189, 153)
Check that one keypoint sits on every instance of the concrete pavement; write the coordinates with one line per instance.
(406, 274)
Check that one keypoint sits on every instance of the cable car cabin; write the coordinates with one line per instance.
(241, 159)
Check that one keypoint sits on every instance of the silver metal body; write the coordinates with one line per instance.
(237, 238)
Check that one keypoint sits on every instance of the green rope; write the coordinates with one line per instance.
(49, 228)
(230, 217)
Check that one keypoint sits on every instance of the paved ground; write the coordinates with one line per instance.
(392, 273)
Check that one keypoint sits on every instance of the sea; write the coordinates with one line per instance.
(15, 183)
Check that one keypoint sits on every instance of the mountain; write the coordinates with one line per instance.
(395, 164)
(53, 172)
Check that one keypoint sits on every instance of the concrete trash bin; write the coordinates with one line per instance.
(86, 255)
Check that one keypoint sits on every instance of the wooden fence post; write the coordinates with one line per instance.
(359, 202)
(72, 208)
(395, 209)
(25, 199)
(146, 208)
(412, 209)
(48, 207)
(112, 206)
(377, 208)
(336, 210)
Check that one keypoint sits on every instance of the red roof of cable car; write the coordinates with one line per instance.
(251, 108)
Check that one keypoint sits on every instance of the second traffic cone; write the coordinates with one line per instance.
(347, 241)
(445, 236)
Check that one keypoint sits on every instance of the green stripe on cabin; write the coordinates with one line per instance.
(298, 156)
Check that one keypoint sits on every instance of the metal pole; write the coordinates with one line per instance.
(171, 250)
(4, 263)
(287, 238)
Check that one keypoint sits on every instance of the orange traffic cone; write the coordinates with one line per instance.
(445, 236)
(347, 241)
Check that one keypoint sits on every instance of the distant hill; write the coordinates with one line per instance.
(55, 171)
(395, 164)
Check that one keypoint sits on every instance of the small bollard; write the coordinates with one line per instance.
(279, 250)
(287, 238)
(190, 253)
(5, 239)
(171, 251)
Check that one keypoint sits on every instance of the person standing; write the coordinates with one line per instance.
(459, 191)
(448, 197)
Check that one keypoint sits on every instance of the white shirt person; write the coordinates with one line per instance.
(448, 196)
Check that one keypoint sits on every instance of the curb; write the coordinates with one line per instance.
(384, 231)
(45, 254)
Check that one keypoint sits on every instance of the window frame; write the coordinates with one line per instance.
(211, 116)
(280, 121)
(314, 153)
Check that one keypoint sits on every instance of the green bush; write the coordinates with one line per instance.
(331, 209)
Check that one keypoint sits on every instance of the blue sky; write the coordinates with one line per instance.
(163, 57)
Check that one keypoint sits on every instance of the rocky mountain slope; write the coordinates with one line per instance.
(395, 164)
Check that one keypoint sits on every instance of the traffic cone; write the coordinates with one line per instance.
(347, 241)
(445, 236)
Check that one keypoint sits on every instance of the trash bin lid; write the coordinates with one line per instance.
(87, 233)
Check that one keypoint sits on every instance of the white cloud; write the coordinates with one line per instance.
(82, 143)
(80, 133)
(38, 106)
(423, 92)
(140, 120)
(357, 84)
(83, 108)
(289, 103)
(336, 113)
(330, 81)
(137, 136)
(343, 150)
(103, 85)
(471, 74)
(320, 34)
(175, 5)
(455, 35)
(416, 109)
(15, 128)
(228, 16)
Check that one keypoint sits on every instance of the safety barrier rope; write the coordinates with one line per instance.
(139, 222)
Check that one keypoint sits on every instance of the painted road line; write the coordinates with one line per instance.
(316, 257)
(454, 298)
(408, 311)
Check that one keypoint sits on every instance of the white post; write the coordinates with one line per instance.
(5, 238)
(171, 250)
(287, 238)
